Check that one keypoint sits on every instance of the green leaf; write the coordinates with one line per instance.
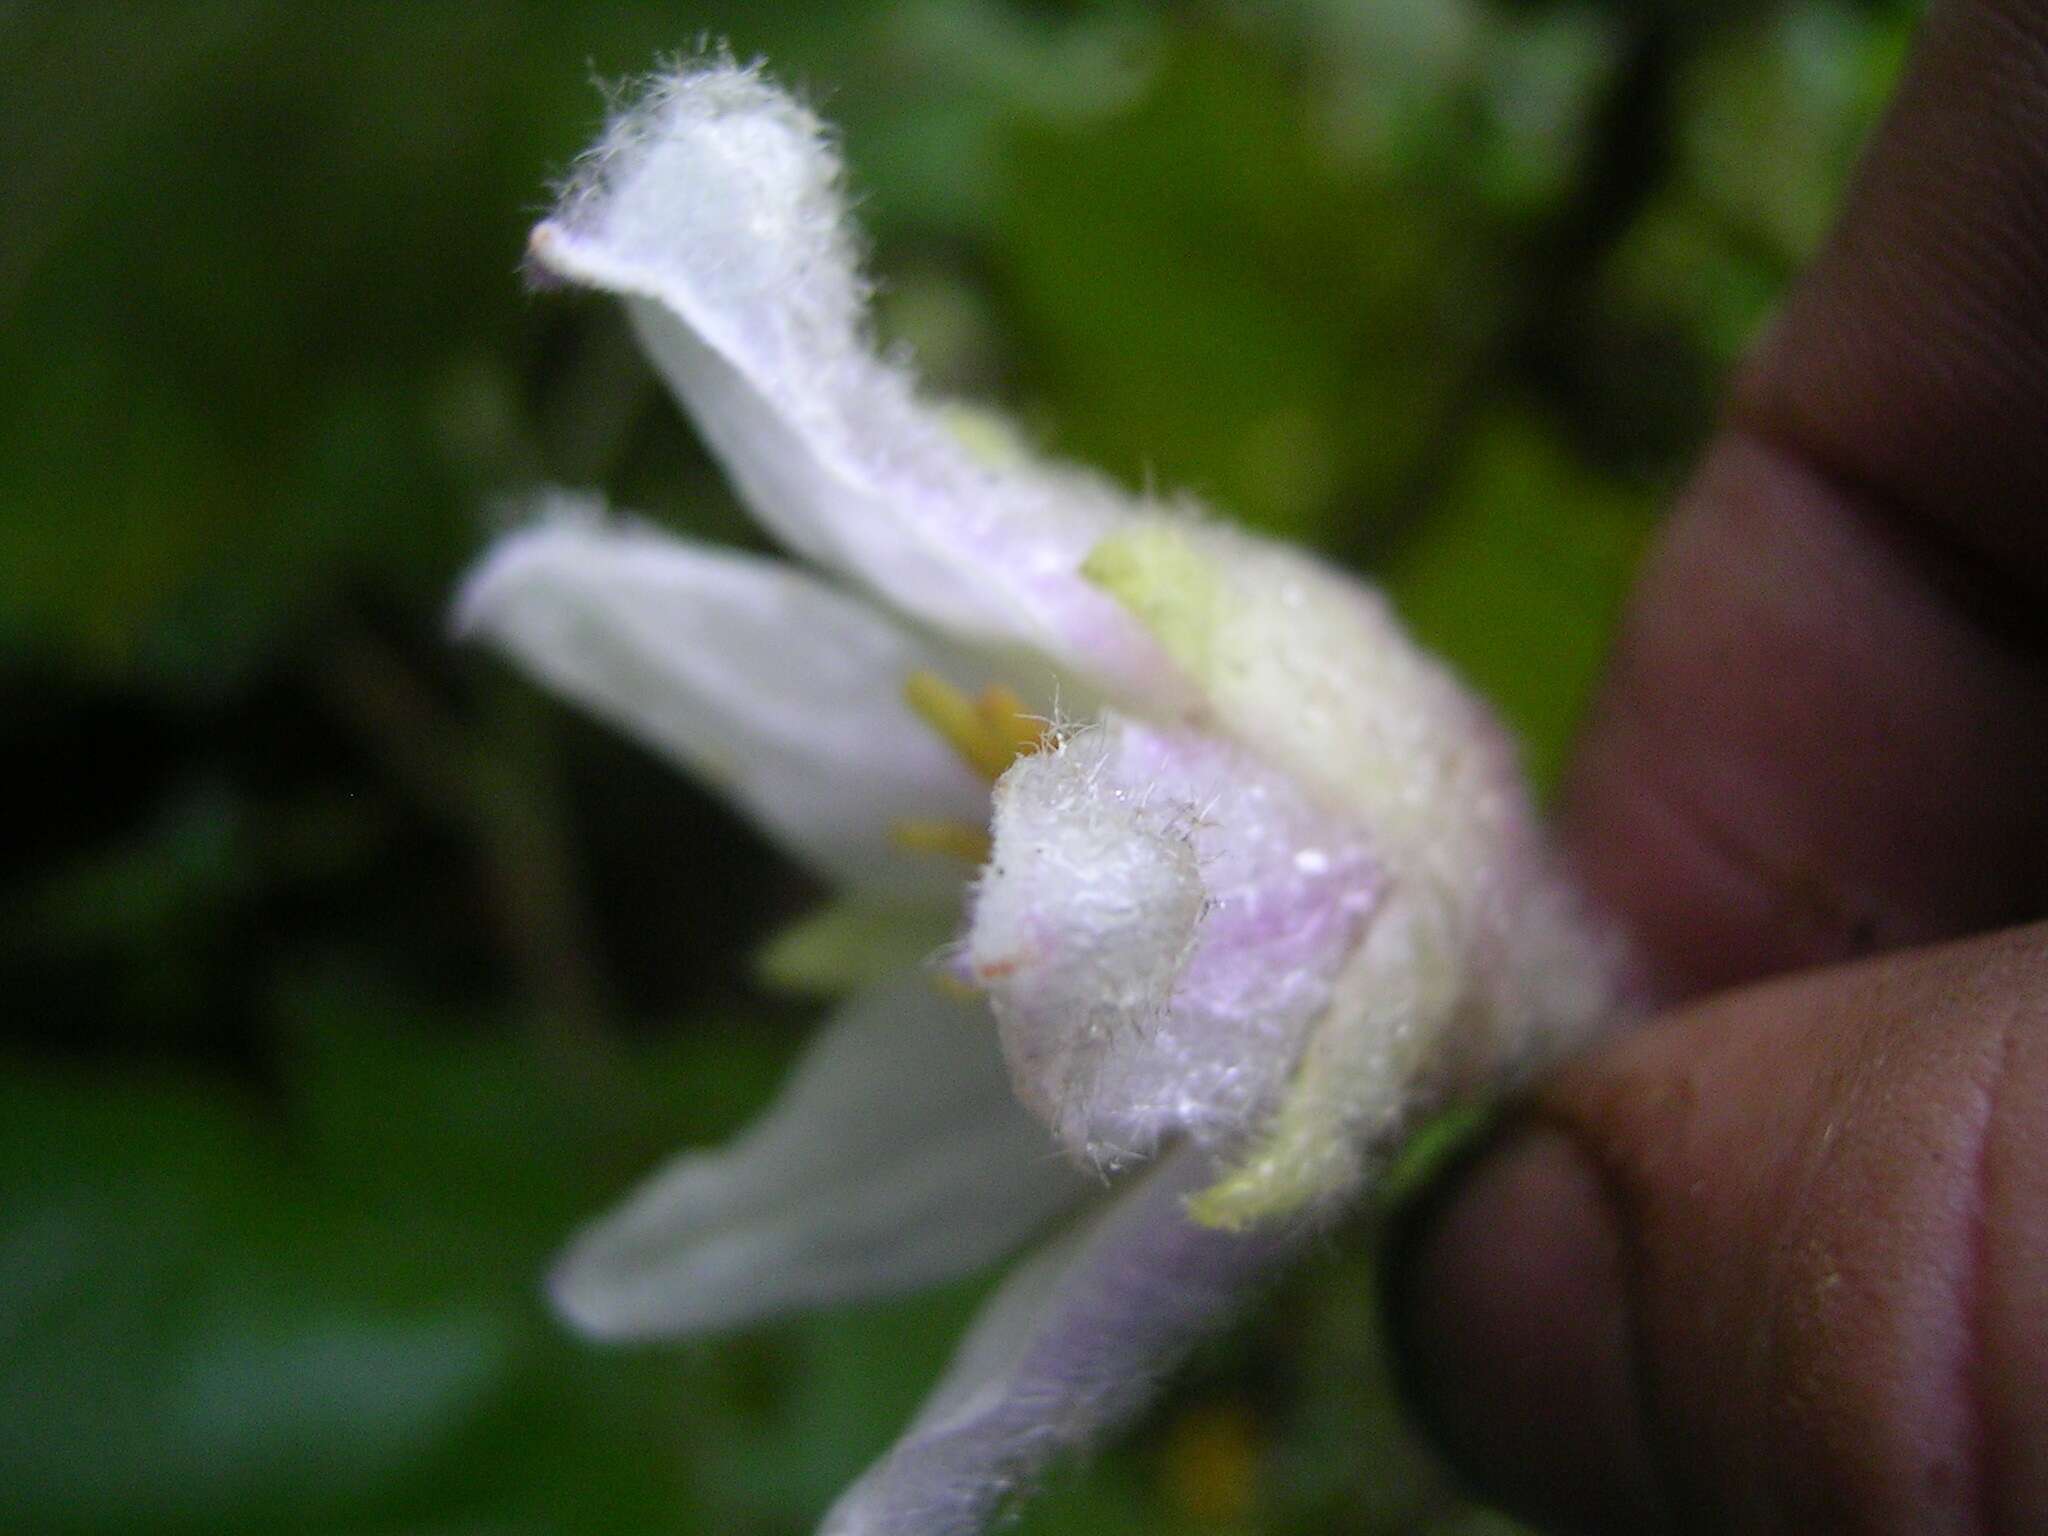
(1218, 303)
(1517, 578)
(182, 1351)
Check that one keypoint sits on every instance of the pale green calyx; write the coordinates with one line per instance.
(1479, 960)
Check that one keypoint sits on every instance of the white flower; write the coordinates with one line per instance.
(1269, 888)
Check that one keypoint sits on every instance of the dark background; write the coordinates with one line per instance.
(341, 972)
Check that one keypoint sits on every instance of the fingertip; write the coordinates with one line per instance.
(1508, 1296)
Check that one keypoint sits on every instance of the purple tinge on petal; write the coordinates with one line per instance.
(1072, 1345)
(1159, 928)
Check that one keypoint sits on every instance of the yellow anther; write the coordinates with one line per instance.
(955, 838)
(1002, 711)
(989, 733)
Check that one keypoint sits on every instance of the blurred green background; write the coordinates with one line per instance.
(343, 972)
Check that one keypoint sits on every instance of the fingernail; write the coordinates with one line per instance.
(1510, 1312)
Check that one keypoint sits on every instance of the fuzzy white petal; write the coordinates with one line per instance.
(715, 208)
(1159, 928)
(1073, 1344)
(778, 689)
(895, 1157)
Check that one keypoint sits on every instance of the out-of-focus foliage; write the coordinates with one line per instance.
(343, 973)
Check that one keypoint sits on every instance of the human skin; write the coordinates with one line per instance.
(1778, 1260)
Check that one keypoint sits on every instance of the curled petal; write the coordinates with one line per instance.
(780, 690)
(1159, 927)
(1071, 1345)
(715, 209)
(895, 1157)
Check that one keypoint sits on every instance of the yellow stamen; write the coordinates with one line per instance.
(1002, 711)
(955, 838)
(990, 732)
